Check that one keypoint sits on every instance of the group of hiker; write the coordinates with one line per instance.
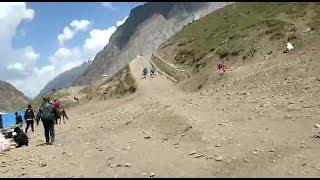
(145, 71)
(221, 66)
(49, 113)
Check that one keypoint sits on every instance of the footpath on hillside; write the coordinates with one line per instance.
(161, 131)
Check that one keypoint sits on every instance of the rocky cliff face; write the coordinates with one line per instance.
(10, 98)
(146, 28)
(66, 79)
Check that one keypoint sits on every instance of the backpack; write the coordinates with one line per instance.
(29, 114)
(47, 112)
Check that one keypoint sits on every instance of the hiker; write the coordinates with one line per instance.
(37, 120)
(56, 105)
(29, 118)
(1, 122)
(222, 67)
(152, 71)
(20, 138)
(19, 121)
(48, 114)
(62, 113)
(144, 72)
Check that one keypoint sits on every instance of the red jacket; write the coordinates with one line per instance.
(57, 105)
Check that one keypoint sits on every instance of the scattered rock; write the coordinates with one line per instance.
(42, 164)
(128, 165)
(246, 160)
(218, 158)
(209, 157)
(147, 137)
(188, 128)
(271, 150)
(152, 174)
(198, 156)
(192, 153)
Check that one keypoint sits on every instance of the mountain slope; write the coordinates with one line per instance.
(10, 98)
(145, 29)
(240, 34)
(66, 79)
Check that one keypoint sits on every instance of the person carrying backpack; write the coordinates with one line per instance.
(29, 118)
(145, 72)
(152, 71)
(48, 114)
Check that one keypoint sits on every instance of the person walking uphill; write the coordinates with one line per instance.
(57, 105)
(48, 114)
(144, 72)
(29, 118)
(222, 67)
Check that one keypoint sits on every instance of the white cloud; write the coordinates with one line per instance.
(80, 25)
(15, 66)
(107, 4)
(30, 54)
(99, 38)
(18, 66)
(119, 23)
(70, 31)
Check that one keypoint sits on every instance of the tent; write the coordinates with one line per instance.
(9, 119)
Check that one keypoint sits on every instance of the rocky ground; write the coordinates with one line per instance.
(236, 126)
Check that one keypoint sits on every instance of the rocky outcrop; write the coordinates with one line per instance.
(10, 98)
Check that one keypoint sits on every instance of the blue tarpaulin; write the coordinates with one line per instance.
(9, 119)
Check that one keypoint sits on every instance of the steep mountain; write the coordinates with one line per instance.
(145, 29)
(65, 79)
(11, 99)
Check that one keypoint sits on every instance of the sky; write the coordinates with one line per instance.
(40, 40)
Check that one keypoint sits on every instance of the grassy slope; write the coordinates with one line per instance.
(119, 85)
(235, 32)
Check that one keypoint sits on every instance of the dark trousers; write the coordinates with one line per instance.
(30, 122)
(48, 130)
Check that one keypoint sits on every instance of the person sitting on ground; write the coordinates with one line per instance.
(144, 72)
(222, 67)
(29, 118)
(20, 138)
(19, 120)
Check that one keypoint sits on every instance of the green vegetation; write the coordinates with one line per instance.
(36, 103)
(119, 85)
(237, 32)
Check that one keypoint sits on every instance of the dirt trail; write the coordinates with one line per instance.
(230, 132)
